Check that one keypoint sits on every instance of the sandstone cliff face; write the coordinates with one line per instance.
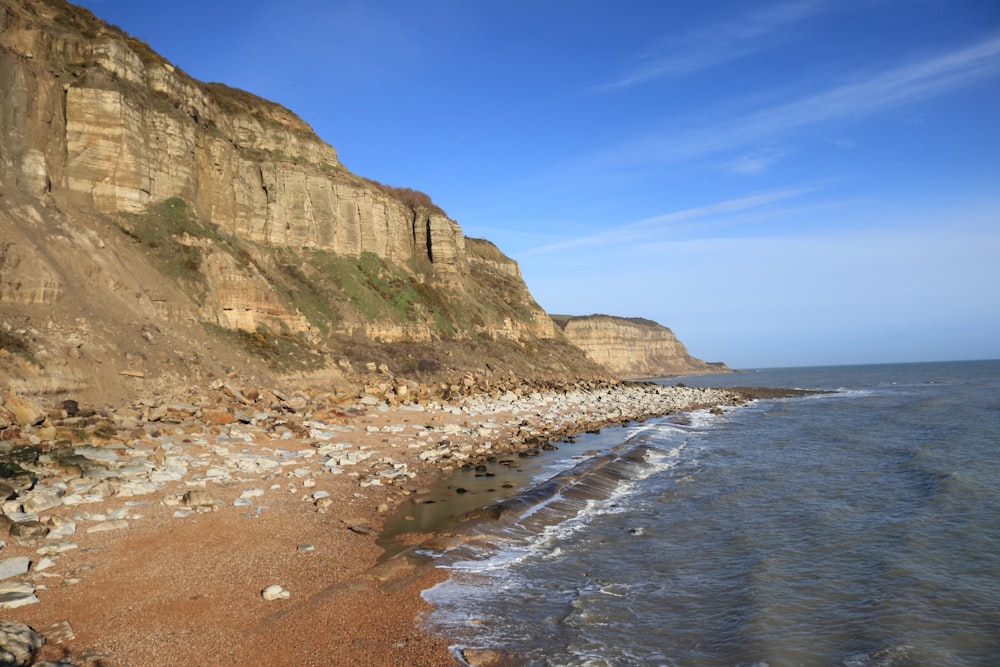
(633, 347)
(97, 119)
(95, 114)
(156, 230)
(139, 206)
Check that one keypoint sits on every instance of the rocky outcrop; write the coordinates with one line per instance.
(156, 230)
(91, 112)
(139, 206)
(633, 347)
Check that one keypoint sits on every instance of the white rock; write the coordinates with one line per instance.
(15, 594)
(40, 500)
(275, 592)
(104, 526)
(256, 464)
(162, 475)
(44, 564)
(18, 643)
(136, 487)
(96, 454)
(13, 567)
(57, 548)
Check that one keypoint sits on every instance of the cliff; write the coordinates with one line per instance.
(157, 231)
(156, 227)
(633, 347)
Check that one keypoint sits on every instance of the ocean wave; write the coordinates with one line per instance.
(534, 522)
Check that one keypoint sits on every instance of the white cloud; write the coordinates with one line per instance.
(844, 142)
(866, 95)
(757, 161)
(654, 227)
(715, 45)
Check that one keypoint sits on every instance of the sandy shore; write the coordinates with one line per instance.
(163, 534)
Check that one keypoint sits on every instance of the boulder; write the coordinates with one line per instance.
(14, 594)
(18, 643)
(198, 499)
(25, 412)
(481, 657)
(28, 530)
(14, 567)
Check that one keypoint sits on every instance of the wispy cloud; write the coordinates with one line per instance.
(677, 221)
(757, 161)
(844, 142)
(864, 96)
(715, 44)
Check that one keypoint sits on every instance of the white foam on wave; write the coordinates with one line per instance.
(492, 567)
(520, 544)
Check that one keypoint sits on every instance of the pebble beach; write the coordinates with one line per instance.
(240, 526)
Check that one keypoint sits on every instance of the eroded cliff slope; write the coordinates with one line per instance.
(157, 230)
(633, 347)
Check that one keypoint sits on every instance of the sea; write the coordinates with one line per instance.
(857, 527)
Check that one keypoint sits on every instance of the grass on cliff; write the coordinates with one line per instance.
(281, 351)
(170, 232)
(18, 345)
(491, 295)
(330, 289)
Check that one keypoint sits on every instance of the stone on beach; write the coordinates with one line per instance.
(14, 567)
(104, 526)
(198, 500)
(382, 452)
(275, 592)
(23, 531)
(15, 594)
(18, 643)
(481, 657)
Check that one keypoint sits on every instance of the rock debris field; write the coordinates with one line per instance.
(74, 480)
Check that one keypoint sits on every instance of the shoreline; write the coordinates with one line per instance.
(150, 541)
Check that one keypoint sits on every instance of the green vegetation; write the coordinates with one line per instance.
(283, 352)
(326, 287)
(78, 19)
(332, 289)
(415, 199)
(169, 231)
(314, 297)
(17, 345)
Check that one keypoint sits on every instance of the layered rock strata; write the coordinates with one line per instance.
(633, 347)
(138, 203)
(90, 111)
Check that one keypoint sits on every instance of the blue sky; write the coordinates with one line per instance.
(780, 182)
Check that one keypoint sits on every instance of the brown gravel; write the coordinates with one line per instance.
(186, 591)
